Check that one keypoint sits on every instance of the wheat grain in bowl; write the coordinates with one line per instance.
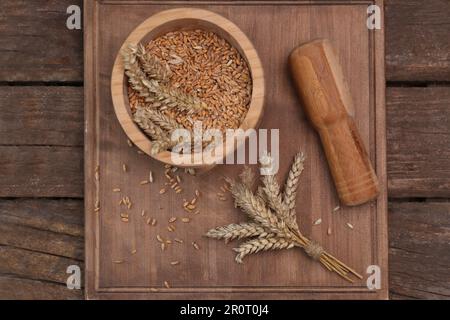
(186, 76)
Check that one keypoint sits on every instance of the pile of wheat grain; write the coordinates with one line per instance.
(206, 66)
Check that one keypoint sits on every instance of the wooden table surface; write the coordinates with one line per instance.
(41, 148)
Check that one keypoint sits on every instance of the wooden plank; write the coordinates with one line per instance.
(41, 116)
(35, 44)
(15, 288)
(419, 245)
(39, 239)
(212, 272)
(417, 43)
(417, 40)
(49, 226)
(418, 133)
(41, 171)
(418, 136)
(418, 235)
(35, 265)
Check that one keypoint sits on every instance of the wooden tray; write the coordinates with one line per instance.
(275, 28)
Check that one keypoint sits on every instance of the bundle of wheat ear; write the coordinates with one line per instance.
(273, 222)
(148, 77)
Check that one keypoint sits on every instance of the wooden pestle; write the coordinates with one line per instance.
(326, 99)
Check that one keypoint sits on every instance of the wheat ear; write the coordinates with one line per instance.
(166, 97)
(273, 196)
(256, 245)
(238, 231)
(274, 200)
(135, 73)
(162, 120)
(160, 139)
(152, 66)
(247, 177)
(255, 207)
(292, 182)
(155, 93)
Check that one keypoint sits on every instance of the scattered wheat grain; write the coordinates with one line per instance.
(172, 219)
(195, 245)
(150, 176)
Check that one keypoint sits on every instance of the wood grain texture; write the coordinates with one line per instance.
(417, 40)
(326, 100)
(39, 239)
(419, 246)
(424, 279)
(418, 235)
(211, 272)
(50, 226)
(41, 171)
(41, 116)
(418, 142)
(35, 44)
(16, 288)
(418, 133)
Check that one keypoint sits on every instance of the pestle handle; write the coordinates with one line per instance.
(326, 100)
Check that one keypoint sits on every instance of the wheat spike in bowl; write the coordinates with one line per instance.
(181, 67)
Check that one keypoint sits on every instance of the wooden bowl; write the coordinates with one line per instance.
(185, 19)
